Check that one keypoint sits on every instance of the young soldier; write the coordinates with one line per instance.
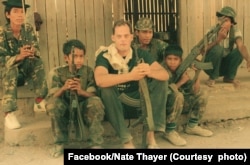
(184, 97)
(20, 60)
(144, 32)
(62, 81)
(226, 49)
(117, 73)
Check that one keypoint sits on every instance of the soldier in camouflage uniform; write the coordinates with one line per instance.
(61, 82)
(19, 61)
(226, 49)
(184, 97)
(144, 38)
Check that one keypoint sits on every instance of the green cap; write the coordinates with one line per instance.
(144, 24)
(228, 12)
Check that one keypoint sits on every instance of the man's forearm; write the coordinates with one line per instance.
(244, 53)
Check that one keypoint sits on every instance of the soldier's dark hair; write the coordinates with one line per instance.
(7, 9)
(173, 49)
(67, 46)
(122, 22)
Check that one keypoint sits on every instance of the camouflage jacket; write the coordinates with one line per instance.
(58, 76)
(156, 48)
(10, 46)
(185, 89)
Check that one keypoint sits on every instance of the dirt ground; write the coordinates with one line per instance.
(227, 134)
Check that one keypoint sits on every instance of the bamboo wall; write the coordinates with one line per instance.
(91, 22)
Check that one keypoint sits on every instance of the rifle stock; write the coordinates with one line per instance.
(75, 111)
(146, 107)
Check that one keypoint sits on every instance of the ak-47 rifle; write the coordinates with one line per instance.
(27, 38)
(75, 111)
(147, 117)
(191, 58)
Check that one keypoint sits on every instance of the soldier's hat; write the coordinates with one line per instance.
(144, 24)
(15, 3)
(228, 12)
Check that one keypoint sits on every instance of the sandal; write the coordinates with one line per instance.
(210, 82)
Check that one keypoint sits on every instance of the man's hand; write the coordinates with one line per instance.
(73, 85)
(140, 71)
(222, 34)
(26, 51)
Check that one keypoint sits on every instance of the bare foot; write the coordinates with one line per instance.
(151, 142)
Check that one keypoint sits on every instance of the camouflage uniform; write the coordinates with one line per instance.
(156, 47)
(184, 101)
(91, 108)
(12, 72)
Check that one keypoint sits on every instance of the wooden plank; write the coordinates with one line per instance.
(108, 21)
(213, 10)
(43, 38)
(210, 18)
(61, 25)
(118, 7)
(90, 31)
(80, 21)
(183, 26)
(71, 18)
(246, 32)
(240, 14)
(192, 23)
(2, 18)
(52, 34)
(199, 22)
(231, 3)
(30, 13)
(99, 23)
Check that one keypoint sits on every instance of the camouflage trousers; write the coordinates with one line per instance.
(192, 104)
(30, 69)
(92, 111)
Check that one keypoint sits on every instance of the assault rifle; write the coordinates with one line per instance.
(147, 117)
(27, 38)
(191, 58)
(75, 115)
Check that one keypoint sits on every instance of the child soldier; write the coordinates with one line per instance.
(185, 97)
(79, 78)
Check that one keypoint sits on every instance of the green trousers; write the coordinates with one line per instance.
(29, 69)
(223, 66)
(114, 109)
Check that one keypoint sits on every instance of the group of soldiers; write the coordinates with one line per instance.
(77, 97)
